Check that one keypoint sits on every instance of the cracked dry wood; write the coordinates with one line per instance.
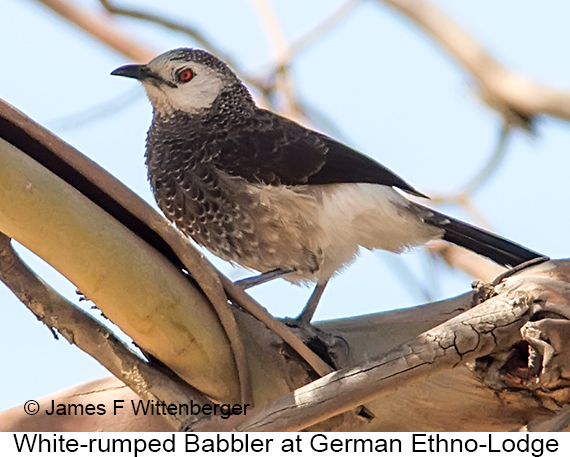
(488, 330)
(473, 334)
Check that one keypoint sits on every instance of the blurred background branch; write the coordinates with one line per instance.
(515, 96)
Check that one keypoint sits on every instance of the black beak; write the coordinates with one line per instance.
(140, 72)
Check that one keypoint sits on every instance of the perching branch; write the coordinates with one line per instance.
(458, 341)
(517, 337)
(171, 24)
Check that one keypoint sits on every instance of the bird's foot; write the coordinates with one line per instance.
(332, 349)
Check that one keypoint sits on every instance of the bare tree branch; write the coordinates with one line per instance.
(518, 99)
(102, 29)
(472, 264)
(190, 31)
(83, 331)
(261, 84)
(457, 341)
(477, 181)
(95, 112)
(315, 32)
(281, 81)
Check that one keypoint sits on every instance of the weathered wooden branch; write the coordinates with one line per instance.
(82, 330)
(527, 313)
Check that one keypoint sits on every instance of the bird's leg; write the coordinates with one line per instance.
(309, 310)
(262, 278)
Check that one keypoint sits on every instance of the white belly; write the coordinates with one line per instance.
(324, 226)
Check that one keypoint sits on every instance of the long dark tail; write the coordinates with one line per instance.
(494, 247)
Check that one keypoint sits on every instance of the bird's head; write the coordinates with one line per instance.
(184, 79)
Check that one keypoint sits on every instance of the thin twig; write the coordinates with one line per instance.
(315, 32)
(473, 264)
(106, 31)
(171, 24)
(282, 82)
(491, 166)
(464, 202)
(399, 267)
(197, 36)
(474, 213)
(93, 113)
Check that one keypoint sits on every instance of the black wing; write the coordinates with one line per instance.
(272, 149)
(344, 164)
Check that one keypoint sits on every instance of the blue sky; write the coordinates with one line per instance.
(391, 92)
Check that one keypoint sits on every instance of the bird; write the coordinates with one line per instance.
(264, 192)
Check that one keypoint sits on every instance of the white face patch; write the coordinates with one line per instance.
(198, 93)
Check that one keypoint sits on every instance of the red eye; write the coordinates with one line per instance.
(185, 75)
